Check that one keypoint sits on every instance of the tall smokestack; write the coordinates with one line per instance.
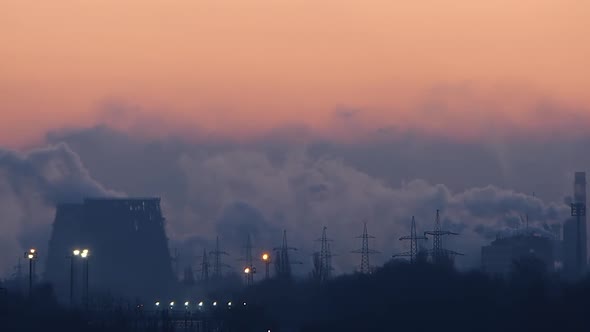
(574, 231)
(580, 198)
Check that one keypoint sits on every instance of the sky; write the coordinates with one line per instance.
(271, 115)
(241, 68)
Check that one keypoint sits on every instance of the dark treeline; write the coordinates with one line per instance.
(396, 297)
(426, 297)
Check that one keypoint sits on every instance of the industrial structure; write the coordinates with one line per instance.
(365, 251)
(574, 231)
(249, 268)
(127, 239)
(131, 255)
(217, 263)
(282, 260)
(413, 238)
(499, 257)
(204, 266)
(322, 260)
(438, 254)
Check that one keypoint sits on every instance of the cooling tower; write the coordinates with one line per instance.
(128, 247)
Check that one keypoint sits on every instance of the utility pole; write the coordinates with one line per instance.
(365, 267)
(217, 264)
(413, 237)
(439, 253)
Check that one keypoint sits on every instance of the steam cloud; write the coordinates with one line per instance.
(30, 185)
(302, 194)
(227, 190)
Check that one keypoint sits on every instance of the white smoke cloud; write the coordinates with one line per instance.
(228, 191)
(302, 194)
(31, 183)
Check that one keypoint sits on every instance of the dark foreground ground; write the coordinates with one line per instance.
(398, 297)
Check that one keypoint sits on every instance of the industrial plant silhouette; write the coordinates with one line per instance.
(109, 268)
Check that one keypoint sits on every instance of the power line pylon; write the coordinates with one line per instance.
(176, 260)
(189, 277)
(325, 258)
(204, 267)
(282, 261)
(365, 252)
(438, 253)
(249, 269)
(413, 237)
(217, 263)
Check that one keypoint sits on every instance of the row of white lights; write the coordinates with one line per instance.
(201, 304)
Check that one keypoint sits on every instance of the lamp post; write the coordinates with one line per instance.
(31, 255)
(84, 255)
(75, 253)
(266, 260)
(249, 272)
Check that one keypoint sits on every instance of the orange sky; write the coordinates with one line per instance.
(247, 66)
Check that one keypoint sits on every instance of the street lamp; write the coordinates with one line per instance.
(31, 255)
(75, 253)
(249, 272)
(266, 260)
(83, 254)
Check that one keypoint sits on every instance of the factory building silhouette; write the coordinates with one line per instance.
(498, 257)
(570, 253)
(128, 246)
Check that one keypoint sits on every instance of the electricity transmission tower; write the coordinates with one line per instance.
(175, 260)
(365, 252)
(249, 269)
(413, 237)
(282, 260)
(217, 264)
(189, 277)
(438, 253)
(205, 267)
(324, 264)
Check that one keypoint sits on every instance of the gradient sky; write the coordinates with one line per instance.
(236, 67)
